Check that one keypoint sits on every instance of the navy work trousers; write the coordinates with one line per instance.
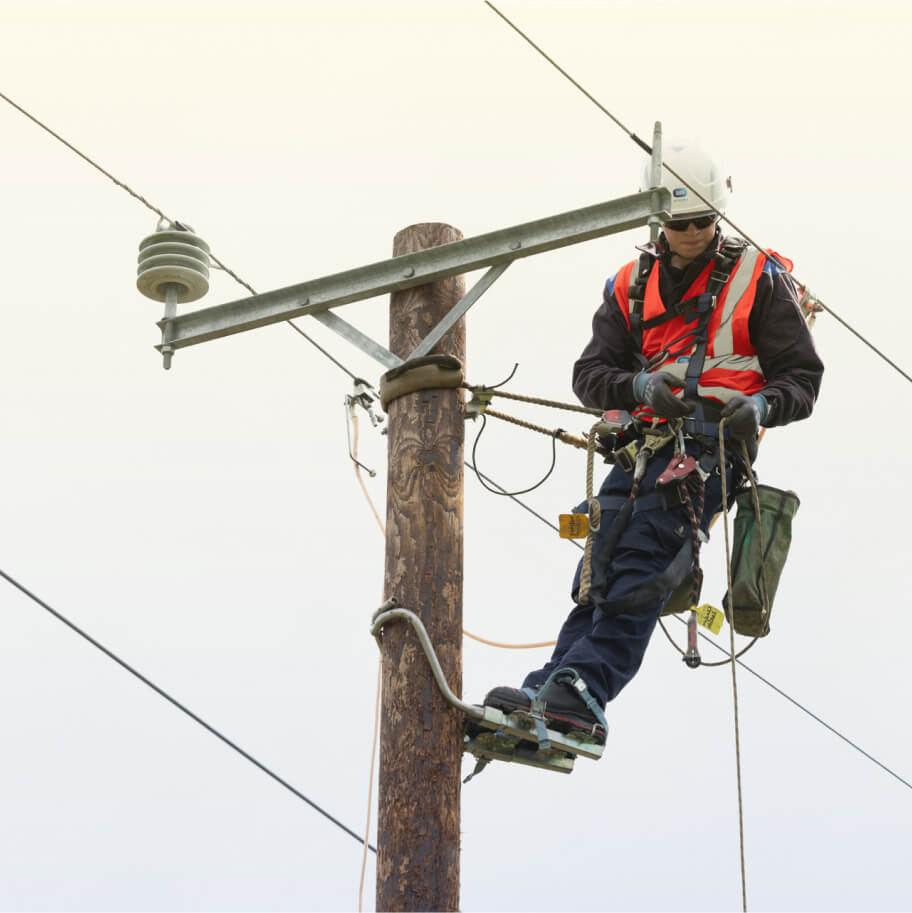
(601, 640)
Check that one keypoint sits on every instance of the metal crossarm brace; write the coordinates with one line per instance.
(367, 345)
(459, 309)
(386, 358)
(419, 268)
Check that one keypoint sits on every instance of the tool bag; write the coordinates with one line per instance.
(750, 566)
(777, 508)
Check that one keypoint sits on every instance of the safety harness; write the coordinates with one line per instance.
(697, 310)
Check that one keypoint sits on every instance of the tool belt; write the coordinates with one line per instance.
(622, 446)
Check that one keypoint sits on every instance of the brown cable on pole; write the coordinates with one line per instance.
(535, 400)
(495, 643)
(563, 436)
(370, 781)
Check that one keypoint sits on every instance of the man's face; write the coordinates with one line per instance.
(690, 241)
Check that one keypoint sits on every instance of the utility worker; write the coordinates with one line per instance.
(698, 328)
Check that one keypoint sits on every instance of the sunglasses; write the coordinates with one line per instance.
(699, 222)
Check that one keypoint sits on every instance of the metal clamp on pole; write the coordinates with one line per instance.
(481, 399)
(386, 613)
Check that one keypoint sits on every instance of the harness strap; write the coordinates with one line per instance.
(537, 712)
(726, 258)
(637, 295)
(697, 309)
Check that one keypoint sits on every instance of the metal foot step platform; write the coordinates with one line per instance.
(491, 734)
(498, 736)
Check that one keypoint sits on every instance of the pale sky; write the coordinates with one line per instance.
(206, 525)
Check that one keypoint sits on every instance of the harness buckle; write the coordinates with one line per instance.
(626, 456)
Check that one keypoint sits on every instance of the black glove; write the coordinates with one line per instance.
(744, 415)
(655, 391)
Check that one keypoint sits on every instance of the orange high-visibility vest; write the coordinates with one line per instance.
(731, 365)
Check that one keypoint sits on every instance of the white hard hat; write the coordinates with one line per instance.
(698, 169)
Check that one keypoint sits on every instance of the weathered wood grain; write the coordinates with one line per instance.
(421, 736)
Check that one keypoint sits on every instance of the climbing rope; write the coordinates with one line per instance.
(731, 634)
(595, 520)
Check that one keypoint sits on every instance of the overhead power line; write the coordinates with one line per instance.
(197, 719)
(648, 150)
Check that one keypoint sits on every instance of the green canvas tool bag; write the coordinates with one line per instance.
(750, 566)
(777, 508)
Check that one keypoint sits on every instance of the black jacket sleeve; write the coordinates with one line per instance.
(603, 374)
(788, 359)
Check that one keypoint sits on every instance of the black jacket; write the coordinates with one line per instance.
(603, 374)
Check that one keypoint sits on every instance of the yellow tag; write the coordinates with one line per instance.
(574, 526)
(709, 617)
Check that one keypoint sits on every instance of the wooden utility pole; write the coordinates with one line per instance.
(421, 736)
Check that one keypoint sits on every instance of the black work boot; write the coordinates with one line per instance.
(508, 699)
(565, 710)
